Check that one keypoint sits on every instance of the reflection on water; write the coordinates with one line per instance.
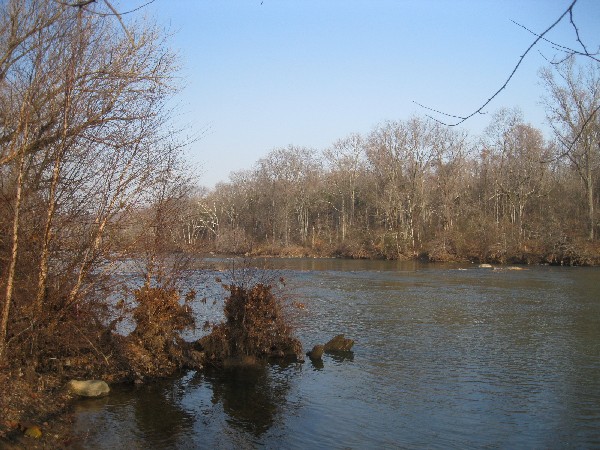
(248, 396)
(444, 358)
(174, 413)
(150, 417)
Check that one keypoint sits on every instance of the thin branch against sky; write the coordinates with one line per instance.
(539, 37)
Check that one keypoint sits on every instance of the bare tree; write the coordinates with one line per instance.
(346, 160)
(449, 183)
(87, 144)
(402, 155)
(573, 105)
(521, 162)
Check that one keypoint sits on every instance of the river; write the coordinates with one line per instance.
(446, 356)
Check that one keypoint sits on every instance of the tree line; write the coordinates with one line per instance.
(417, 188)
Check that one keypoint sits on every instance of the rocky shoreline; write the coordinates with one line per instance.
(38, 410)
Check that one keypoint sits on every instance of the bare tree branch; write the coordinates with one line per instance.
(569, 145)
(79, 4)
(479, 110)
(569, 51)
(577, 32)
(115, 13)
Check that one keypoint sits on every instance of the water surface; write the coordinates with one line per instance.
(446, 356)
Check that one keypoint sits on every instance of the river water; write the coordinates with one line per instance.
(446, 356)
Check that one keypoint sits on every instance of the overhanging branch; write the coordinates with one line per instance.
(461, 119)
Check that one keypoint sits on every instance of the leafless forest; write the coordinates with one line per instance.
(418, 188)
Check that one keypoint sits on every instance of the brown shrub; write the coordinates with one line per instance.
(233, 241)
(255, 325)
(155, 348)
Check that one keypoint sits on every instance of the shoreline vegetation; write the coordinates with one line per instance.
(582, 253)
(37, 405)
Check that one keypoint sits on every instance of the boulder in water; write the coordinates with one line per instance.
(316, 352)
(88, 388)
(339, 344)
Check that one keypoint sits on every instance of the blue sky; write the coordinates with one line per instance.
(263, 74)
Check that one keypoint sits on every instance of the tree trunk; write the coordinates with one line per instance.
(590, 195)
(13, 261)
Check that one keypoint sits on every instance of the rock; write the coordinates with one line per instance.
(88, 388)
(317, 364)
(486, 266)
(339, 344)
(316, 352)
(33, 431)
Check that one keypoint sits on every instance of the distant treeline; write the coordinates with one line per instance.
(417, 188)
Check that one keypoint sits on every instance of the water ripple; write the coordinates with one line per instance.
(443, 358)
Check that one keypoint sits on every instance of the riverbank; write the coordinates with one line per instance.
(579, 252)
(34, 400)
(36, 406)
(36, 412)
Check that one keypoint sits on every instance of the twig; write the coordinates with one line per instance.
(569, 145)
(114, 13)
(98, 352)
(487, 102)
(562, 48)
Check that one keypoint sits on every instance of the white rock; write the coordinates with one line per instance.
(88, 388)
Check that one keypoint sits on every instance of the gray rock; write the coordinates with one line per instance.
(88, 388)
